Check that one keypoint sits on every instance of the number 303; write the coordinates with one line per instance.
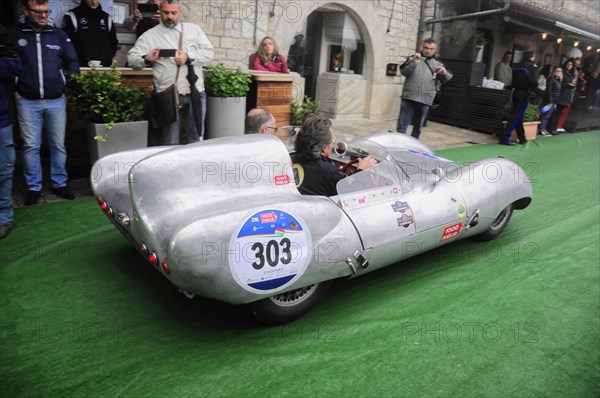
(271, 254)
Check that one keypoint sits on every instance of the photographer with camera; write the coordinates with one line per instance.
(176, 51)
(139, 22)
(422, 71)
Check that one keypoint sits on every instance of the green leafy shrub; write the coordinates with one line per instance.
(220, 81)
(532, 112)
(103, 97)
(303, 109)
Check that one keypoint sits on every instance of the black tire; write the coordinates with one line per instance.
(498, 225)
(289, 306)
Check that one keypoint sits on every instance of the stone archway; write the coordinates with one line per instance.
(344, 92)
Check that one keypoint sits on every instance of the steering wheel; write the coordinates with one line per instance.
(345, 167)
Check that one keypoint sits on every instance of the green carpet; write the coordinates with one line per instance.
(83, 315)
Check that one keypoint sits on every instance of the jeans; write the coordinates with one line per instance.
(409, 111)
(7, 166)
(170, 134)
(33, 114)
(546, 117)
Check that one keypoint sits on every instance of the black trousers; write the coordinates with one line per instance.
(515, 120)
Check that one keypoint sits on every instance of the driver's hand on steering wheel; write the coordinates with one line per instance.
(366, 163)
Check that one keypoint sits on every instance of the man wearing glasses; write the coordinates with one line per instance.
(260, 121)
(48, 62)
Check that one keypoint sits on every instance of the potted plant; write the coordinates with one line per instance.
(531, 120)
(303, 109)
(114, 111)
(226, 91)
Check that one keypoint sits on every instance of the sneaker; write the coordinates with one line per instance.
(32, 198)
(560, 130)
(544, 133)
(5, 230)
(63, 192)
(554, 132)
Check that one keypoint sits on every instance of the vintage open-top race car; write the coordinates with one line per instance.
(224, 219)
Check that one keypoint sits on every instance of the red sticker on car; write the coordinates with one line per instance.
(451, 232)
(266, 218)
(282, 180)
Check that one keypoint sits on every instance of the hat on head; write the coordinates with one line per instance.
(529, 51)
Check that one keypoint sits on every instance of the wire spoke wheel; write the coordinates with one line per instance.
(294, 297)
(288, 306)
(498, 225)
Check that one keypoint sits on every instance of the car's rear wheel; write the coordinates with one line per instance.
(288, 306)
(498, 225)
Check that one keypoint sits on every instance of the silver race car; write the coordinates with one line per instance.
(224, 219)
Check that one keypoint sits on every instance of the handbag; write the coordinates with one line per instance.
(165, 105)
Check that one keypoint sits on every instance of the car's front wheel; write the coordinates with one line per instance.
(288, 306)
(498, 225)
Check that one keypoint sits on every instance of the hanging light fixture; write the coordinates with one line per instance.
(589, 48)
(559, 40)
(544, 36)
(576, 43)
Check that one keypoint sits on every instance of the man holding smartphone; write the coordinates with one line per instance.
(188, 45)
(139, 22)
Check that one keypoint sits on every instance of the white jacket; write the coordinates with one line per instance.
(194, 43)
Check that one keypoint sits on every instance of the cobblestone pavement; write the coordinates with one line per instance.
(435, 135)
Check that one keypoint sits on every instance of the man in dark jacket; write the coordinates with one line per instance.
(524, 84)
(314, 173)
(93, 33)
(10, 66)
(49, 60)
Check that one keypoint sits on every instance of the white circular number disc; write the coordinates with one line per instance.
(269, 251)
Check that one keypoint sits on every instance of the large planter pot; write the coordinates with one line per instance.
(225, 116)
(531, 129)
(122, 137)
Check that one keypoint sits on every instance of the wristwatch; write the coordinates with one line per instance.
(146, 62)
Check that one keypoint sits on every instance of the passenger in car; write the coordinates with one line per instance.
(260, 121)
(314, 173)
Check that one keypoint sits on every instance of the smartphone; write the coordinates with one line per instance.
(167, 52)
(148, 10)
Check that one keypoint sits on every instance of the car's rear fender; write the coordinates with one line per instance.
(492, 184)
(212, 256)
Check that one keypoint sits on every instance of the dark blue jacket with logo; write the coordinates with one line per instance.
(47, 57)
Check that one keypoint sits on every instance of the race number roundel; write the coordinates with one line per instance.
(269, 251)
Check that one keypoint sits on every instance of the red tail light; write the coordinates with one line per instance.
(99, 200)
(153, 259)
(165, 268)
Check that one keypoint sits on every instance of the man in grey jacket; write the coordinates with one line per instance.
(421, 72)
